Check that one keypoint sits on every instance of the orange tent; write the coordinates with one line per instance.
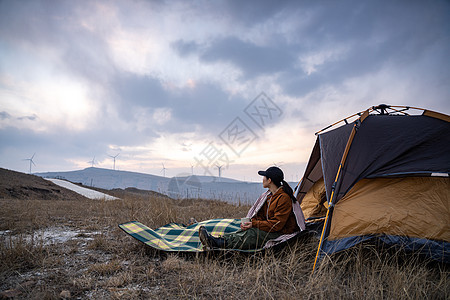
(383, 176)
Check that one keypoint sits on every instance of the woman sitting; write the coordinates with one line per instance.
(271, 216)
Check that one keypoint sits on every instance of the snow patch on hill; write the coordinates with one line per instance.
(88, 193)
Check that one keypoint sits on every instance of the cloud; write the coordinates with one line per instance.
(184, 48)
(250, 13)
(138, 90)
(162, 115)
(31, 118)
(145, 76)
(204, 106)
(253, 60)
(4, 115)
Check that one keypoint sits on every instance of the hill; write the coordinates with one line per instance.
(185, 186)
(16, 185)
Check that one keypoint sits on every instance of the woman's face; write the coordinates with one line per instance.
(266, 182)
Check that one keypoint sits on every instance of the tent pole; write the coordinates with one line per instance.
(344, 120)
(335, 185)
(385, 107)
(330, 207)
(321, 236)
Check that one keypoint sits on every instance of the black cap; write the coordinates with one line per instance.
(273, 173)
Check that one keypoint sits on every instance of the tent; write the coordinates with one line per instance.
(382, 176)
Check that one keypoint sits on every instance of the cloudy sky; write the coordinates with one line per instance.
(195, 84)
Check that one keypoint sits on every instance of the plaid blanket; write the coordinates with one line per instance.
(178, 237)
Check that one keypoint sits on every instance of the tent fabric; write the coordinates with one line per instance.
(312, 174)
(436, 250)
(384, 145)
(409, 206)
(395, 145)
(417, 218)
(384, 188)
(311, 201)
(332, 147)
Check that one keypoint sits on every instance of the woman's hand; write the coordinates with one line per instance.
(246, 225)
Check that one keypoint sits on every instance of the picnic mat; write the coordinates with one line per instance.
(178, 237)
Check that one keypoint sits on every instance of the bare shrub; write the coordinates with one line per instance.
(107, 268)
(21, 254)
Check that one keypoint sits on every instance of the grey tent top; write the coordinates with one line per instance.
(384, 145)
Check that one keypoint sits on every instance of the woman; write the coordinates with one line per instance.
(272, 215)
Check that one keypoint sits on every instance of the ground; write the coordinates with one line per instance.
(55, 244)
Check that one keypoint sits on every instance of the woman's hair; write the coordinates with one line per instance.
(286, 188)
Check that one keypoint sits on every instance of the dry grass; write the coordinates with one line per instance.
(101, 261)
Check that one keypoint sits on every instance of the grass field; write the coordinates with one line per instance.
(94, 259)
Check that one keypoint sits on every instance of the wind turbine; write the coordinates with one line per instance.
(220, 170)
(31, 161)
(163, 170)
(114, 157)
(92, 162)
(192, 169)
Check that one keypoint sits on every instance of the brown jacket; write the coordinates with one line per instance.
(276, 214)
